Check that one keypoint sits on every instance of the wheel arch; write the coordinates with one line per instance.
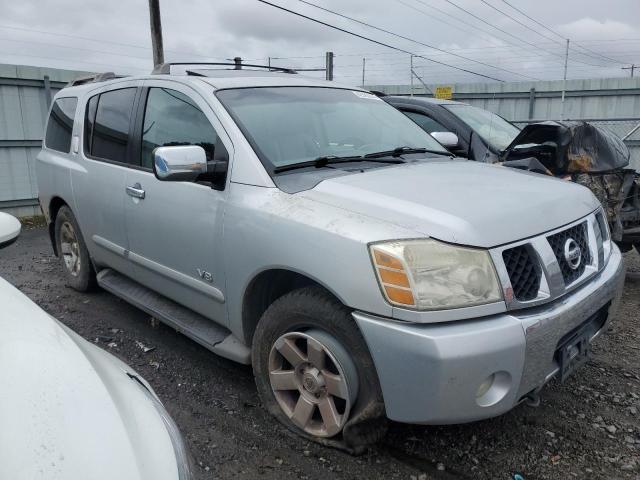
(55, 205)
(265, 288)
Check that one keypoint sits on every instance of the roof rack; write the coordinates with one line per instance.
(165, 68)
(98, 77)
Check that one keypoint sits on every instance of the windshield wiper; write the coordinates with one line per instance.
(396, 152)
(333, 159)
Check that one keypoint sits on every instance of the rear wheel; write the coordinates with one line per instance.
(72, 251)
(314, 373)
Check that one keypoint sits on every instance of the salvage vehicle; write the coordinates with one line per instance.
(576, 151)
(315, 232)
(70, 410)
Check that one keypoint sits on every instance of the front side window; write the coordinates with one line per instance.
(108, 131)
(289, 125)
(60, 125)
(172, 118)
(494, 129)
(425, 122)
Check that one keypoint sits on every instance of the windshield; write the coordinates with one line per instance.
(289, 125)
(494, 129)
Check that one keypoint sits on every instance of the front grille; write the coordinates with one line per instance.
(524, 272)
(558, 240)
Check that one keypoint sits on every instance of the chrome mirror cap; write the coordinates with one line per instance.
(183, 163)
(9, 229)
(446, 139)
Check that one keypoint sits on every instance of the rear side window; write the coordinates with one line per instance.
(60, 125)
(108, 128)
(172, 118)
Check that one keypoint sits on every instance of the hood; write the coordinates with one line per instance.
(68, 409)
(458, 201)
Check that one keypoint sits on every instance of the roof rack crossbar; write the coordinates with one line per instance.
(98, 77)
(165, 68)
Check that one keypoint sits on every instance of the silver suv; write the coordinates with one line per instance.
(317, 233)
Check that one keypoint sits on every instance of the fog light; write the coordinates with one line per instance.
(485, 386)
(493, 389)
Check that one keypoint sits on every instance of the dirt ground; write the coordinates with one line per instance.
(588, 427)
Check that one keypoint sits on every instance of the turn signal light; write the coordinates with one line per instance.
(393, 278)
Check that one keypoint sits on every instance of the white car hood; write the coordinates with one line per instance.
(458, 201)
(68, 410)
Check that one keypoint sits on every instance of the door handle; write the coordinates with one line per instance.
(135, 191)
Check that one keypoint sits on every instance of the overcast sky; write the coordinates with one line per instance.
(103, 35)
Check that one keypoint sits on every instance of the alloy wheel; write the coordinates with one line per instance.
(313, 380)
(70, 248)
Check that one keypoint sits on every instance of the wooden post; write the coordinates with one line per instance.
(156, 32)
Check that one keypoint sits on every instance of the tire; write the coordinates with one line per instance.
(310, 318)
(72, 252)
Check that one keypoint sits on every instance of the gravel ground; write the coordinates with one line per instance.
(588, 427)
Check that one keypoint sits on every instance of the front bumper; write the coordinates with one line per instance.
(430, 373)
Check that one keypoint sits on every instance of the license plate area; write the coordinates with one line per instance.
(574, 349)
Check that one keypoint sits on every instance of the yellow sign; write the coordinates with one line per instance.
(444, 92)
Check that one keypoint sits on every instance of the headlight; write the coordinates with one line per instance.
(183, 459)
(432, 275)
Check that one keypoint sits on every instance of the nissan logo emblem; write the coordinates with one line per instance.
(572, 253)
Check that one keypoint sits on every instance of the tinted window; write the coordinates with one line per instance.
(110, 136)
(426, 123)
(172, 118)
(60, 126)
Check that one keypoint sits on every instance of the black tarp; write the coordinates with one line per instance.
(569, 147)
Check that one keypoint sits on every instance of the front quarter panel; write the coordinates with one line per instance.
(268, 229)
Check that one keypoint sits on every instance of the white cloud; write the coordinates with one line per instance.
(592, 29)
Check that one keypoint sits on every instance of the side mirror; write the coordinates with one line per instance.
(446, 139)
(9, 229)
(183, 163)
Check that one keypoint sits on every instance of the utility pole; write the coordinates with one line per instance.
(328, 66)
(632, 68)
(411, 72)
(564, 81)
(364, 61)
(156, 32)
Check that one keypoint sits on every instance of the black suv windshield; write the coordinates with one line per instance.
(493, 128)
(289, 125)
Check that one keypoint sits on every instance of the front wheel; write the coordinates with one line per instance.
(314, 372)
(73, 253)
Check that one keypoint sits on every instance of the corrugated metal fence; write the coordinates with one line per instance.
(25, 95)
(26, 92)
(613, 103)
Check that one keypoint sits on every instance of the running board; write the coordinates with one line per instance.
(206, 332)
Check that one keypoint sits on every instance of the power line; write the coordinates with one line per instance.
(550, 30)
(33, 42)
(537, 32)
(413, 40)
(433, 7)
(514, 36)
(408, 52)
(78, 37)
(457, 27)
